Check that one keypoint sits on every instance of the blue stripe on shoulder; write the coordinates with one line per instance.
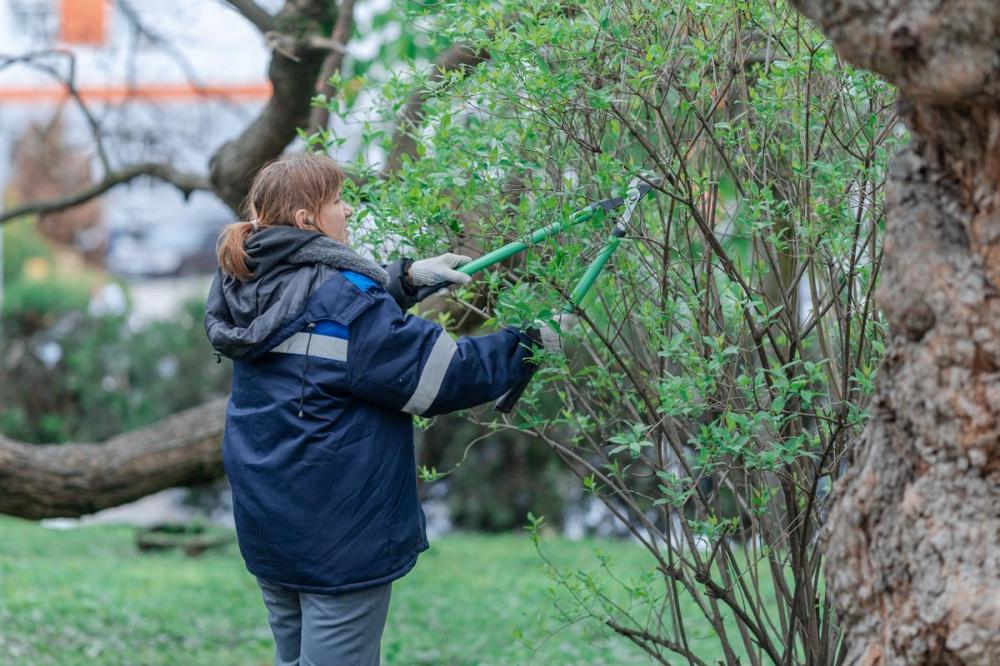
(331, 329)
(362, 282)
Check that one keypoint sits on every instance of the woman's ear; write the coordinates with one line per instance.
(302, 220)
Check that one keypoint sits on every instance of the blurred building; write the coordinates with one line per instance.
(161, 81)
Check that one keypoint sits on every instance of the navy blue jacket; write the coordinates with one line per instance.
(328, 371)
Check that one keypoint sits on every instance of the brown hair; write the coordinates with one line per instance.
(301, 181)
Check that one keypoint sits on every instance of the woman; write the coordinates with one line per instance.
(328, 370)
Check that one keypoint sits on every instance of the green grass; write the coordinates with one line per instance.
(87, 596)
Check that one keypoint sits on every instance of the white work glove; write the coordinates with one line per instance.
(551, 340)
(436, 270)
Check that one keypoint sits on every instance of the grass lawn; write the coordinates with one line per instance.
(87, 596)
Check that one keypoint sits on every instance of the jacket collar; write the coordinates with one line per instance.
(275, 246)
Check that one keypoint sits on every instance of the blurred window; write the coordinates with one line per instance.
(34, 19)
(83, 21)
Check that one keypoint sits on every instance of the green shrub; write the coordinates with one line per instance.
(723, 368)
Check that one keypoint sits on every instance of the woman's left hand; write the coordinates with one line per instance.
(552, 338)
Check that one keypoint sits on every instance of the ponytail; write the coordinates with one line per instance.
(233, 256)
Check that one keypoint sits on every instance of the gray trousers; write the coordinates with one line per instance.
(326, 629)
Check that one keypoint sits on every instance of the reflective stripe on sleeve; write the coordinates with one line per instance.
(323, 346)
(432, 375)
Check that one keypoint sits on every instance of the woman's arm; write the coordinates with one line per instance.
(407, 363)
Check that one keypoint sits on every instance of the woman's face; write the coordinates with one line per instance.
(332, 220)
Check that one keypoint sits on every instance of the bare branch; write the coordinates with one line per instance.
(293, 77)
(9, 60)
(143, 31)
(287, 45)
(185, 182)
(320, 115)
(68, 79)
(254, 13)
(459, 56)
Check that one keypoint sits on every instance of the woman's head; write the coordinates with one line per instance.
(297, 191)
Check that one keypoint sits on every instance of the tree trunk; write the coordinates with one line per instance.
(913, 542)
(64, 480)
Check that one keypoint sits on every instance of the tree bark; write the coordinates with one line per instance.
(913, 541)
(70, 480)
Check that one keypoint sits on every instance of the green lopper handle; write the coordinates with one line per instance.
(638, 185)
(510, 249)
(637, 189)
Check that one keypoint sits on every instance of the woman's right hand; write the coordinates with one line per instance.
(438, 270)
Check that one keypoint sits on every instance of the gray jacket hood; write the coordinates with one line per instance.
(288, 265)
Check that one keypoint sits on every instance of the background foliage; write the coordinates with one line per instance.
(76, 371)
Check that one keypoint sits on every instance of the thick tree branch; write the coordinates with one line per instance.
(185, 182)
(254, 13)
(69, 480)
(35, 60)
(293, 73)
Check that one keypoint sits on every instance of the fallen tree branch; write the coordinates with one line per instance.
(70, 480)
(185, 182)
